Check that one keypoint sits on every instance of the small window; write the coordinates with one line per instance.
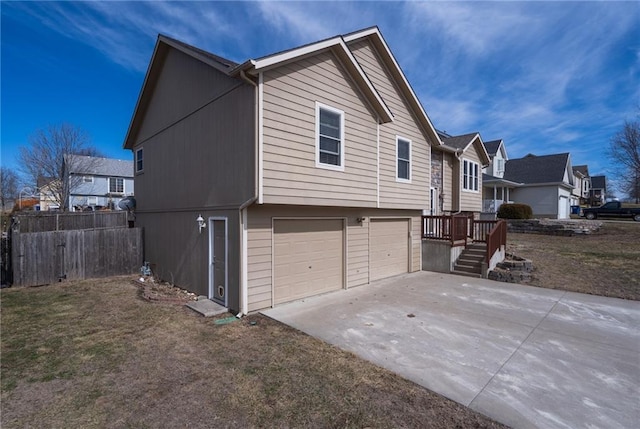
(92, 201)
(139, 160)
(116, 185)
(87, 179)
(470, 177)
(329, 137)
(403, 159)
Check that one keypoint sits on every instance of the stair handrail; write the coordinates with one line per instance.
(496, 238)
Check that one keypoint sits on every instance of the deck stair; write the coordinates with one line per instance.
(470, 261)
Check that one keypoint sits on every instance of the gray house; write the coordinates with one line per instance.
(290, 175)
(544, 182)
(96, 183)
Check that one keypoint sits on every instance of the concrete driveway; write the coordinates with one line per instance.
(525, 356)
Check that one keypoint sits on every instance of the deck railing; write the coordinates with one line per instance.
(459, 229)
(455, 229)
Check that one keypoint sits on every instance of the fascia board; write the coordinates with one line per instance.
(134, 118)
(413, 98)
(338, 43)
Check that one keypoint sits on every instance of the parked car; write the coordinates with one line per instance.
(613, 209)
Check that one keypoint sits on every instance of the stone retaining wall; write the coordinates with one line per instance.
(552, 226)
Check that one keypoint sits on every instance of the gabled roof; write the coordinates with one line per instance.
(492, 146)
(163, 44)
(582, 169)
(599, 182)
(534, 169)
(375, 37)
(339, 47)
(460, 144)
(216, 61)
(97, 166)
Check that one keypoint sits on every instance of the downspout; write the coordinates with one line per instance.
(244, 257)
(458, 154)
(243, 217)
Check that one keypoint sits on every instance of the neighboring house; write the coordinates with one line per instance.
(545, 183)
(496, 190)
(598, 192)
(45, 189)
(582, 188)
(95, 183)
(283, 177)
(456, 174)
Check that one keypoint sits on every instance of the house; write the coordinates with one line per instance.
(94, 182)
(496, 190)
(582, 182)
(290, 175)
(598, 191)
(47, 187)
(456, 180)
(545, 183)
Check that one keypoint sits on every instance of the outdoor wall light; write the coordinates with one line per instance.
(361, 219)
(201, 224)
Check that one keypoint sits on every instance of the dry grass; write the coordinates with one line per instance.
(605, 263)
(94, 354)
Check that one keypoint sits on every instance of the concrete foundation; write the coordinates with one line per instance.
(439, 256)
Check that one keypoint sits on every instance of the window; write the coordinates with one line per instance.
(116, 185)
(329, 137)
(470, 171)
(403, 159)
(139, 160)
(500, 165)
(92, 201)
(87, 179)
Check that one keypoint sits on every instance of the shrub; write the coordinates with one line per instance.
(515, 211)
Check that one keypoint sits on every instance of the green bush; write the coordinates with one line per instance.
(515, 211)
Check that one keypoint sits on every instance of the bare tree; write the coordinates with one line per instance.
(8, 186)
(624, 150)
(49, 157)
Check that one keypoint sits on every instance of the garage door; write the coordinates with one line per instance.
(389, 247)
(308, 258)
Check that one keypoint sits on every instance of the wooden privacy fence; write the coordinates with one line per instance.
(41, 258)
(39, 221)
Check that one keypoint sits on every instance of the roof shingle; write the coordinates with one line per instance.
(537, 169)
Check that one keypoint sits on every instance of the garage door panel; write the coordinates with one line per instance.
(389, 247)
(308, 258)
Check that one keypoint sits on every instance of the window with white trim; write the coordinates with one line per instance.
(92, 201)
(403, 159)
(116, 185)
(329, 137)
(139, 160)
(470, 177)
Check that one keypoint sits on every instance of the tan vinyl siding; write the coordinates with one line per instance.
(260, 244)
(449, 182)
(393, 194)
(471, 200)
(290, 93)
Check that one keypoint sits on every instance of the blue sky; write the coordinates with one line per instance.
(547, 77)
